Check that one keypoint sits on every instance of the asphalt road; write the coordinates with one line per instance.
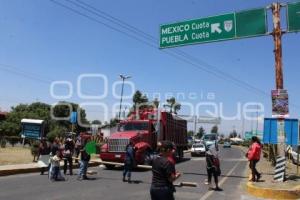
(107, 184)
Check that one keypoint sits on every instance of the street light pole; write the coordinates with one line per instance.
(123, 80)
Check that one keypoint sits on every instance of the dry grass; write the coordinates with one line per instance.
(15, 155)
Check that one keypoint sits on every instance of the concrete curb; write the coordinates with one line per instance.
(270, 193)
(8, 172)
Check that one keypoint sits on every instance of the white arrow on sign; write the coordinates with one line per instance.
(215, 28)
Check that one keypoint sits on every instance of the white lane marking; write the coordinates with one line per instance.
(226, 160)
(209, 193)
(197, 159)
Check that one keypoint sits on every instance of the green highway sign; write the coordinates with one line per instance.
(251, 23)
(217, 28)
(293, 16)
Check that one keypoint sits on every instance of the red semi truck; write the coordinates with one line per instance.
(144, 129)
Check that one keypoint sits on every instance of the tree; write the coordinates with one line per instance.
(190, 133)
(156, 103)
(222, 136)
(139, 100)
(57, 131)
(11, 126)
(233, 134)
(173, 105)
(97, 122)
(201, 132)
(214, 129)
(62, 110)
(113, 122)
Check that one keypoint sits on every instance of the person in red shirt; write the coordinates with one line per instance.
(253, 156)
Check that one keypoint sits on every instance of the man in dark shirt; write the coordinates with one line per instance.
(84, 161)
(128, 162)
(68, 153)
(163, 174)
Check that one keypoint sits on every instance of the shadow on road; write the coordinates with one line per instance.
(120, 179)
(198, 174)
(183, 160)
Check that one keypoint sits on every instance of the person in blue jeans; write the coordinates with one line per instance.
(128, 162)
(84, 161)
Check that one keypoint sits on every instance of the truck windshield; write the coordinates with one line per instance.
(209, 137)
(133, 127)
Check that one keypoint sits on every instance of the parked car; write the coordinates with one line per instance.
(227, 145)
(293, 151)
(198, 149)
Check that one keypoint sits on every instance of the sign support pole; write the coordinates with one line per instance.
(277, 34)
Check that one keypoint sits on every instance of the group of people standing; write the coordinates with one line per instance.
(51, 154)
(163, 165)
(164, 173)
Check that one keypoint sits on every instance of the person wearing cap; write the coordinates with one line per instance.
(212, 166)
(163, 174)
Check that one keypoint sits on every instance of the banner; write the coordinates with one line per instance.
(280, 104)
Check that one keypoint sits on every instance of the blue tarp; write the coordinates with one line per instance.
(270, 131)
(291, 128)
(73, 118)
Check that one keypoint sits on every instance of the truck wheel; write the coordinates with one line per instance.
(110, 167)
(147, 157)
(180, 154)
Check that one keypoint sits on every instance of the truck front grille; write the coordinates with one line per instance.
(117, 145)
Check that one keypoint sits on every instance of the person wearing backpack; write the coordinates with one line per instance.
(213, 167)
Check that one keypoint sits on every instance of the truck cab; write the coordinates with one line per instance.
(142, 135)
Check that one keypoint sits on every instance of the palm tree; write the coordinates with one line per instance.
(173, 105)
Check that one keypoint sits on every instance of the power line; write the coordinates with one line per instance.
(180, 52)
(181, 55)
(17, 71)
(188, 58)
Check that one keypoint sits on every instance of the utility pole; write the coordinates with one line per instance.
(277, 34)
(256, 133)
(123, 80)
(243, 127)
(195, 128)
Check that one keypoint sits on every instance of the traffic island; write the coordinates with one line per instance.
(275, 190)
(7, 170)
(269, 189)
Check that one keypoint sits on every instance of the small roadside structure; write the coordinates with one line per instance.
(33, 128)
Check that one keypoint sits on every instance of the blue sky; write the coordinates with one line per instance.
(42, 42)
